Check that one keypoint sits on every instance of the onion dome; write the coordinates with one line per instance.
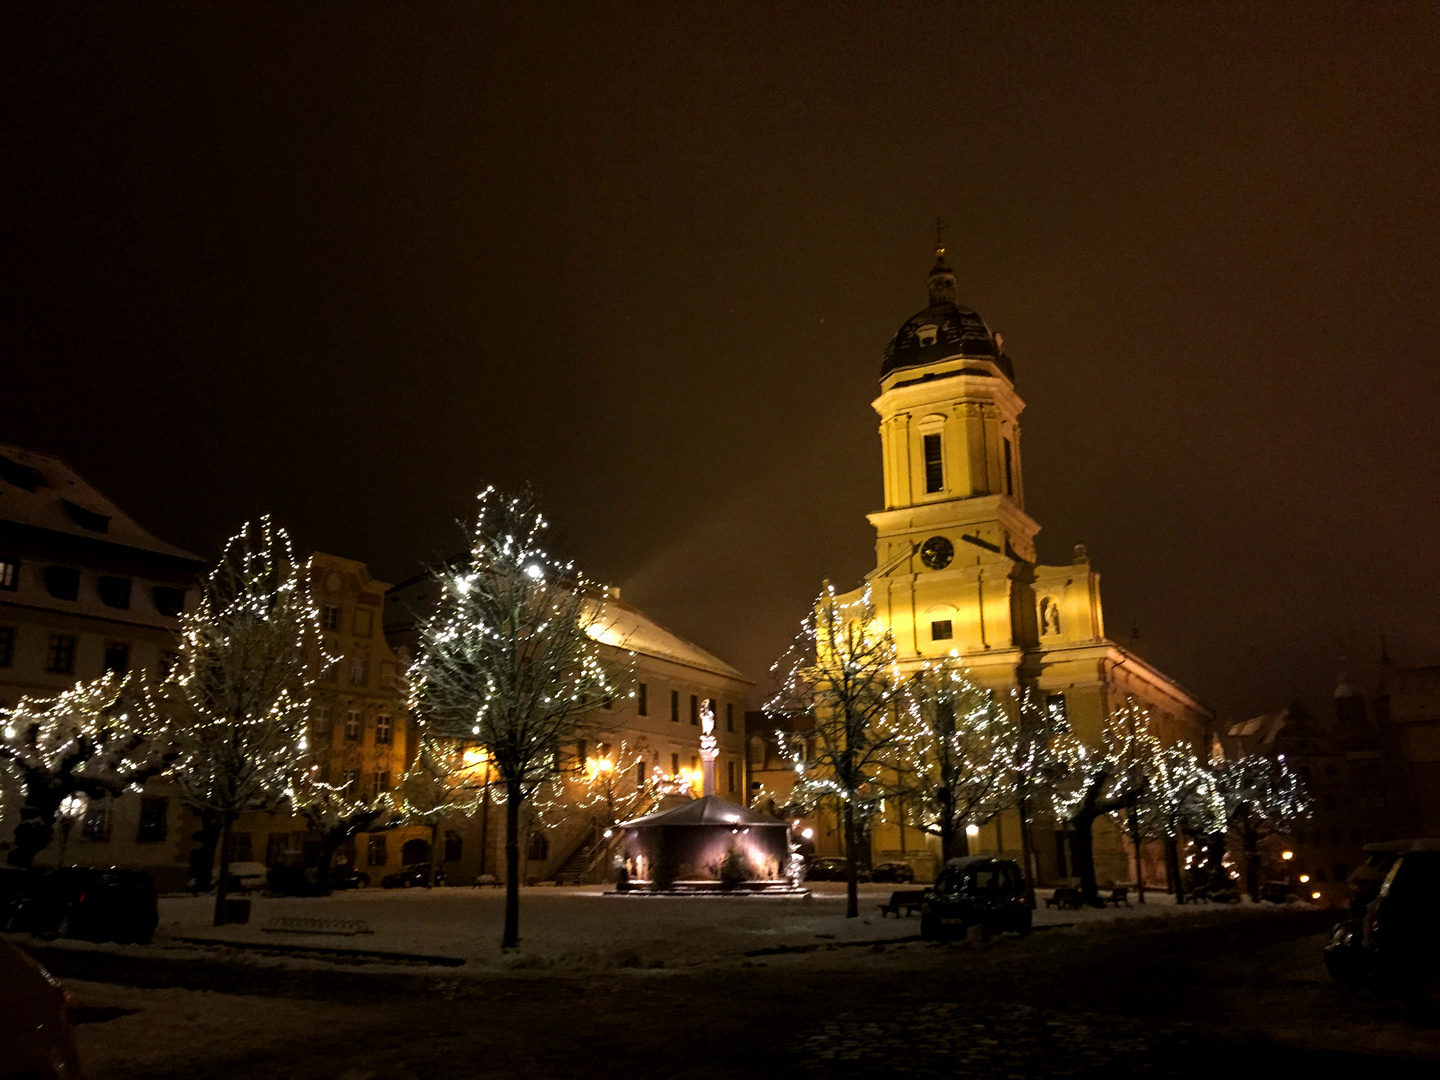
(943, 330)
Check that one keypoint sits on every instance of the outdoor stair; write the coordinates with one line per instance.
(579, 861)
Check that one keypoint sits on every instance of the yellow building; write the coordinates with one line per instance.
(651, 733)
(956, 567)
(359, 730)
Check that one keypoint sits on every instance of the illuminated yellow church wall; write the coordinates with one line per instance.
(955, 558)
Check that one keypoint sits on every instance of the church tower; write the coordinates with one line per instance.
(954, 548)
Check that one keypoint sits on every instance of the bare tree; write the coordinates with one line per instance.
(94, 740)
(1171, 805)
(1040, 755)
(441, 782)
(240, 693)
(840, 687)
(1261, 796)
(955, 748)
(508, 661)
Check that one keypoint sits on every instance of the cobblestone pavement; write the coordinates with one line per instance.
(996, 1041)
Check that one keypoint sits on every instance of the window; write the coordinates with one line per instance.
(168, 660)
(383, 730)
(674, 706)
(62, 582)
(730, 775)
(382, 783)
(320, 724)
(359, 671)
(95, 825)
(241, 848)
(1055, 706)
(582, 751)
(642, 700)
(351, 778)
(7, 646)
(539, 849)
(330, 617)
(9, 574)
(607, 702)
(694, 764)
(453, 846)
(1009, 479)
(640, 774)
(154, 819)
(934, 464)
(375, 853)
(694, 710)
(86, 519)
(168, 600)
(940, 630)
(114, 591)
(60, 656)
(354, 726)
(674, 764)
(730, 720)
(117, 657)
(364, 622)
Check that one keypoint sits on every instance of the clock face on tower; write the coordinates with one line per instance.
(937, 552)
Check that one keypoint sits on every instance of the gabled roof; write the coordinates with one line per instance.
(711, 810)
(42, 492)
(626, 627)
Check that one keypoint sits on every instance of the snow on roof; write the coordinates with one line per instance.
(45, 493)
(711, 810)
(625, 627)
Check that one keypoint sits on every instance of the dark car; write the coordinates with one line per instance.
(413, 876)
(1401, 935)
(36, 1042)
(831, 870)
(976, 891)
(97, 904)
(347, 877)
(901, 873)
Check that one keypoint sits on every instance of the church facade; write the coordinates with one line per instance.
(956, 568)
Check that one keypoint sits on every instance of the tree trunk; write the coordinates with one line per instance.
(1022, 804)
(1082, 854)
(222, 886)
(852, 868)
(947, 835)
(1250, 836)
(202, 857)
(511, 936)
(1134, 823)
(434, 840)
(1172, 868)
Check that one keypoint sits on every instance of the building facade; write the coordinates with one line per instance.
(956, 570)
(650, 738)
(85, 590)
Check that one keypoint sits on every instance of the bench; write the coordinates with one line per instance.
(909, 899)
(1064, 897)
(1120, 894)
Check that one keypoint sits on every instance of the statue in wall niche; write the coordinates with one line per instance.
(1049, 616)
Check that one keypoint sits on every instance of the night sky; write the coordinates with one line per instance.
(348, 264)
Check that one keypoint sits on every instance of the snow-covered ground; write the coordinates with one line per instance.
(582, 928)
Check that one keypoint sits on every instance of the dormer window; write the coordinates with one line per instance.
(927, 335)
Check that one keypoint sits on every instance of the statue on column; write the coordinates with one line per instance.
(709, 747)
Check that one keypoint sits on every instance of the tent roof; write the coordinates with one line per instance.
(711, 810)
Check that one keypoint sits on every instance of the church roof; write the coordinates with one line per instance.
(711, 810)
(942, 330)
